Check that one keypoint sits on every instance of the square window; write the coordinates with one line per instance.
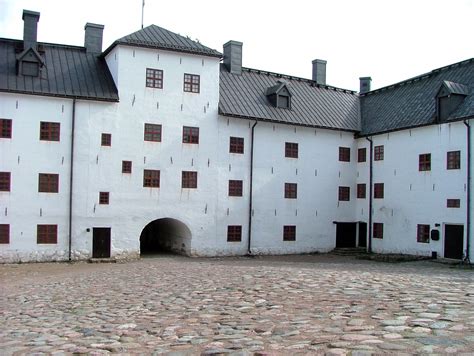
(361, 155)
(344, 193)
(126, 166)
(151, 178)
(47, 234)
(453, 203)
(424, 162)
(191, 83)
(291, 149)
(378, 190)
(234, 233)
(190, 134)
(48, 183)
(236, 145)
(344, 154)
(378, 231)
(235, 188)
(189, 179)
(49, 131)
(4, 234)
(5, 181)
(5, 128)
(453, 160)
(154, 78)
(291, 190)
(106, 139)
(104, 198)
(361, 191)
(152, 132)
(378, 153)
(289, 233)
(423, 233)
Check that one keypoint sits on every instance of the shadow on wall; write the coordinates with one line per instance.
(165, 236)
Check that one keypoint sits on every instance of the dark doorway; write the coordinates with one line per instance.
(346, 234)
(453, 241)
(101, 242)
(362, 234)
(165, 236)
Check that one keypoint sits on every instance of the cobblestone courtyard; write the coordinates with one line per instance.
(321, 304)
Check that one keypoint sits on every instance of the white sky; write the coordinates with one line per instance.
(389, 40)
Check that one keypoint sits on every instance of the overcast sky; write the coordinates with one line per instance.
(389, 40)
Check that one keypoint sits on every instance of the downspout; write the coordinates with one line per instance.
(73, 122)
(369, 248)
(249, 250)
(468, 189)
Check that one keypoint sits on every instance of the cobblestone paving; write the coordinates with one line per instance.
(264, 306)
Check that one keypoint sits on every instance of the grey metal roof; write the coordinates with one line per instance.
(312, 105)
(157, 37)
(456, 88)
(68, 72)
(412, 103)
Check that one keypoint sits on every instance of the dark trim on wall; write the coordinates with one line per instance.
(249, 247)
(371, 167)
(468, 189)
(71, 164)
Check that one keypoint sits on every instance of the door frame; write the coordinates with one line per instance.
(443, 244)
(109, 237)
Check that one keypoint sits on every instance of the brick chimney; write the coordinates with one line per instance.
(30, 29)
(93, 37)
(365, 84)
(233, 57)
(319, 71)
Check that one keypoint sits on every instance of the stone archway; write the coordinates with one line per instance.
(165, 235)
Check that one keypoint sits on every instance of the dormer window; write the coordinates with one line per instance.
(279, 95)
(30, 68)
(450, 96)
(29, 62)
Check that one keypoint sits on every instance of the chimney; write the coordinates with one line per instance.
(364, 84)
(30, 29)
(233, 57)
(319, 71)
(93, 37)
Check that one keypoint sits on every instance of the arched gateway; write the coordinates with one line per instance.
(165, 235)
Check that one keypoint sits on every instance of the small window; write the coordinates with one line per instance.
(344, 193)
(361, 191)
(190, 134)
(191, 83)
(378, 153)
(48, 183)
(5, 181)
(152, 133)
(151, 178)
(344, 154)
(289, 233)
(378, 190)
(126, 166)
(377, 231)
(361, 155)
(49, 131)
(234, 233)
(47, 234)
(235, 188)
(30, 68)
(154, 78)
(453, 203)
(423, 233)
(283, 101)
(453, 160)
(291, 149)
(424, 162)
(104, 198)
(5, 128)
(189, 179)
(106, 139)
(291, 190)
(236, 145)
(4, 234)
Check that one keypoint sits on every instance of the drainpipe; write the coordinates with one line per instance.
(369, 248)
(249, 250)
(468, 189)
(73, 122)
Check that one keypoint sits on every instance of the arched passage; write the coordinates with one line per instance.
(165, 235)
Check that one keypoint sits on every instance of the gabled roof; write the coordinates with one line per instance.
(455, 88)
(68, 71)
(157, 37)
(277, 88)
(412, 103)
(23, 54)
(313, 105)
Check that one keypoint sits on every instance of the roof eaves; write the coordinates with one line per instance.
(82, 97)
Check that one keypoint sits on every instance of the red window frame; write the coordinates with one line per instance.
(154, 78)
(378, 190)
(152, 132)
(126, 166)
(192, 83)
(361, 191)
(189, 179)
(377, 231)
(106, 139)
(50, 131)
(235, 188)
(453, 203)
(151, 178)
(234, 233)
(291, 190)
(236, 145)
(344, 154)
(4, 233)
(5, 128)
(191, 135)
(48, 183)
(424, 162)
(104, 198)
(453, 160)
(378, 153)
(47, 234)
(344, 194)
(5, 181)
(291, 149)
(423, 233)
(361, 155)
(289, 233)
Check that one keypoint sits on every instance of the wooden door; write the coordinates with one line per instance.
(362, 234)
(101, 242)
(346, 234)
(453, 241)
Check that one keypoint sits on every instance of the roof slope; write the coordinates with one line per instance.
(412, 103)
(311, 104)
(157, 37)
(68, 72)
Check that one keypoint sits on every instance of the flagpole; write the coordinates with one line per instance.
(143, 9)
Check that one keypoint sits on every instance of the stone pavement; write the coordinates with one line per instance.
(316, 304)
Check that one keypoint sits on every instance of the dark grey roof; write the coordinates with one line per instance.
(157, 37)
(311, 104)
(412, 103)
(68, 72)
(456, 88)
